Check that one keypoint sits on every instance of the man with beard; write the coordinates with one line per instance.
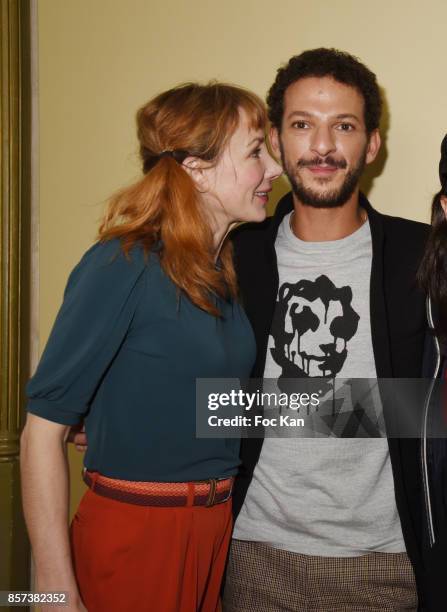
(329, 286)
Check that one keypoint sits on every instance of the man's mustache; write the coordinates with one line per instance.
(318, 161)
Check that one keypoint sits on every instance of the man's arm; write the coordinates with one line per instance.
(45, 492)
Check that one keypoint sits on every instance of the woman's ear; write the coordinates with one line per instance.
(198, 171)
(444, 205)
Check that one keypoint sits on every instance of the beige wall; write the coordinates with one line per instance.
(100, 59)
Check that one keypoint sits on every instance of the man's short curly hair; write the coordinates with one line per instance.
(342, 67)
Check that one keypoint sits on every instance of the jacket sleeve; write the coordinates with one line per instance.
(99, 303)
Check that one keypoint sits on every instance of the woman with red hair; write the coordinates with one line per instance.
(151, 307)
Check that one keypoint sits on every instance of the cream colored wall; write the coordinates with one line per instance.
(100, 59)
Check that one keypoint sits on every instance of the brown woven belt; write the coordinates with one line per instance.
(201, 493)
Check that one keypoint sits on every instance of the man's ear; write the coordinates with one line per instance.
(198, 171)
(274, 142)
(444, 204)
(373, 146)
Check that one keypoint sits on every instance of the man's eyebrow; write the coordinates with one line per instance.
(309, 115)
(347, 116)
(299, 114)
(259, 139)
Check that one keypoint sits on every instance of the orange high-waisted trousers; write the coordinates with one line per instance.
(131, 558)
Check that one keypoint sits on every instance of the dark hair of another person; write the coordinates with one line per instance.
(432, 272)
(342, 67)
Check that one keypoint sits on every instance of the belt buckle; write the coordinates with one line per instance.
(212, 493)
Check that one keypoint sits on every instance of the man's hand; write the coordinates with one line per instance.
(77, 436)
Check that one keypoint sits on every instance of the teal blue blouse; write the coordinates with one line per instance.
(124, 355)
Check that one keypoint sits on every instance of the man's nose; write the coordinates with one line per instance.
(323, 141)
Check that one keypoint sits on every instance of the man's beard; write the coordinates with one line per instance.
(333, 197)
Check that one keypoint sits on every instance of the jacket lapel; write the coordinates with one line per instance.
(269, 284)
(378, 310)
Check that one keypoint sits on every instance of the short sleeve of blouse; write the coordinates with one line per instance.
(99, 303)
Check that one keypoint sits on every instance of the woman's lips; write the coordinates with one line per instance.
(263, 195)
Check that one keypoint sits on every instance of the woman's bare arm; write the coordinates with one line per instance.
(45, 492)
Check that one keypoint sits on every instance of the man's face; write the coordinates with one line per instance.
(323, 141)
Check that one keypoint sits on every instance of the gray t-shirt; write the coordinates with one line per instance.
(322, 496)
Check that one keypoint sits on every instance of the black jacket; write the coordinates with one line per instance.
(398, 329)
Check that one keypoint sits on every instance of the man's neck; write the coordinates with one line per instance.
(323, 224)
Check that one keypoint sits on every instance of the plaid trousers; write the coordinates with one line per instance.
(265, 579)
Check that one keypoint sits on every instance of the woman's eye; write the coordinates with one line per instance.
(256, 152)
